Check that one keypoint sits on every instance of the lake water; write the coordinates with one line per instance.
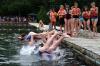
(10, 48)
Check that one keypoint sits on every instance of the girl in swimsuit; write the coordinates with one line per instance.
(75, 14)
(61, 14)
(94, 17)
(72, 22)
(86, 16)
(67, 20)
(53, 18)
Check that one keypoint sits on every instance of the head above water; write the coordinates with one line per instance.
(21, 37)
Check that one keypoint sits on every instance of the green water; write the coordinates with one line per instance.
(10, 47)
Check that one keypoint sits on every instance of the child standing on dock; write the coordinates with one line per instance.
(53, 15)
(67, 20)
(75, 14)
(94, 17)
(61, 14)
(86, 16)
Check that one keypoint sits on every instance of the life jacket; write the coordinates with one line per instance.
(53, 16)
(93, 12)
(75, 11)
(86, 14)
(62, 12)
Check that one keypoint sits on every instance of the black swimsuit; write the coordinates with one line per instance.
(68, 16)
(75, 16)
(61, 20)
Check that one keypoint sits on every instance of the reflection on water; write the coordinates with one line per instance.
(9, 54)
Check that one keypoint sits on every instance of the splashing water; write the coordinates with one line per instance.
(12, 54)
(33, 50)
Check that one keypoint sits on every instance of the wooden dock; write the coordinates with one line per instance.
(87, 48)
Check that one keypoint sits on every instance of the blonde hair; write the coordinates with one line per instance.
(61, 6)
(93, 3)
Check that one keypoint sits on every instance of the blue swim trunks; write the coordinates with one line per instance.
(81, 19)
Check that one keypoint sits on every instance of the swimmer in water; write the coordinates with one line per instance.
(53, 40)
(50, 43)
(43, 36)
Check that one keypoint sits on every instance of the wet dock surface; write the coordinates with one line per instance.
(88, 48)
(92, 45)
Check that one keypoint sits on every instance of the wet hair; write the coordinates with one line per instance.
(22, 34)
(21, 37)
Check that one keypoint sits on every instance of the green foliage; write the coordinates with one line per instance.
(39, 7)
(22, 7)
(42, 14)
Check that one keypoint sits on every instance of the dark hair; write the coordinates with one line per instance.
(21, 37)
(22, 34)
(86, 7)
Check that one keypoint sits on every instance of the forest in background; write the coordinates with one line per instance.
(39, 7)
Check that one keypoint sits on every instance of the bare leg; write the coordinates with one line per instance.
(77, 25)
(54, 25)
(48, 43)
(85, 25)
(55, 44)
(72, 26)
(69, 25)
(65, 26)
(95, 28)
(61, 28)
(88, 25)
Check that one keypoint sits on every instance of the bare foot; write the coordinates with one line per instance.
(65, 35)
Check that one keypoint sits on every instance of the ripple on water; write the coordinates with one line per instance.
(2, 59)
(1, 48)
(11, 45)
(1, 38)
